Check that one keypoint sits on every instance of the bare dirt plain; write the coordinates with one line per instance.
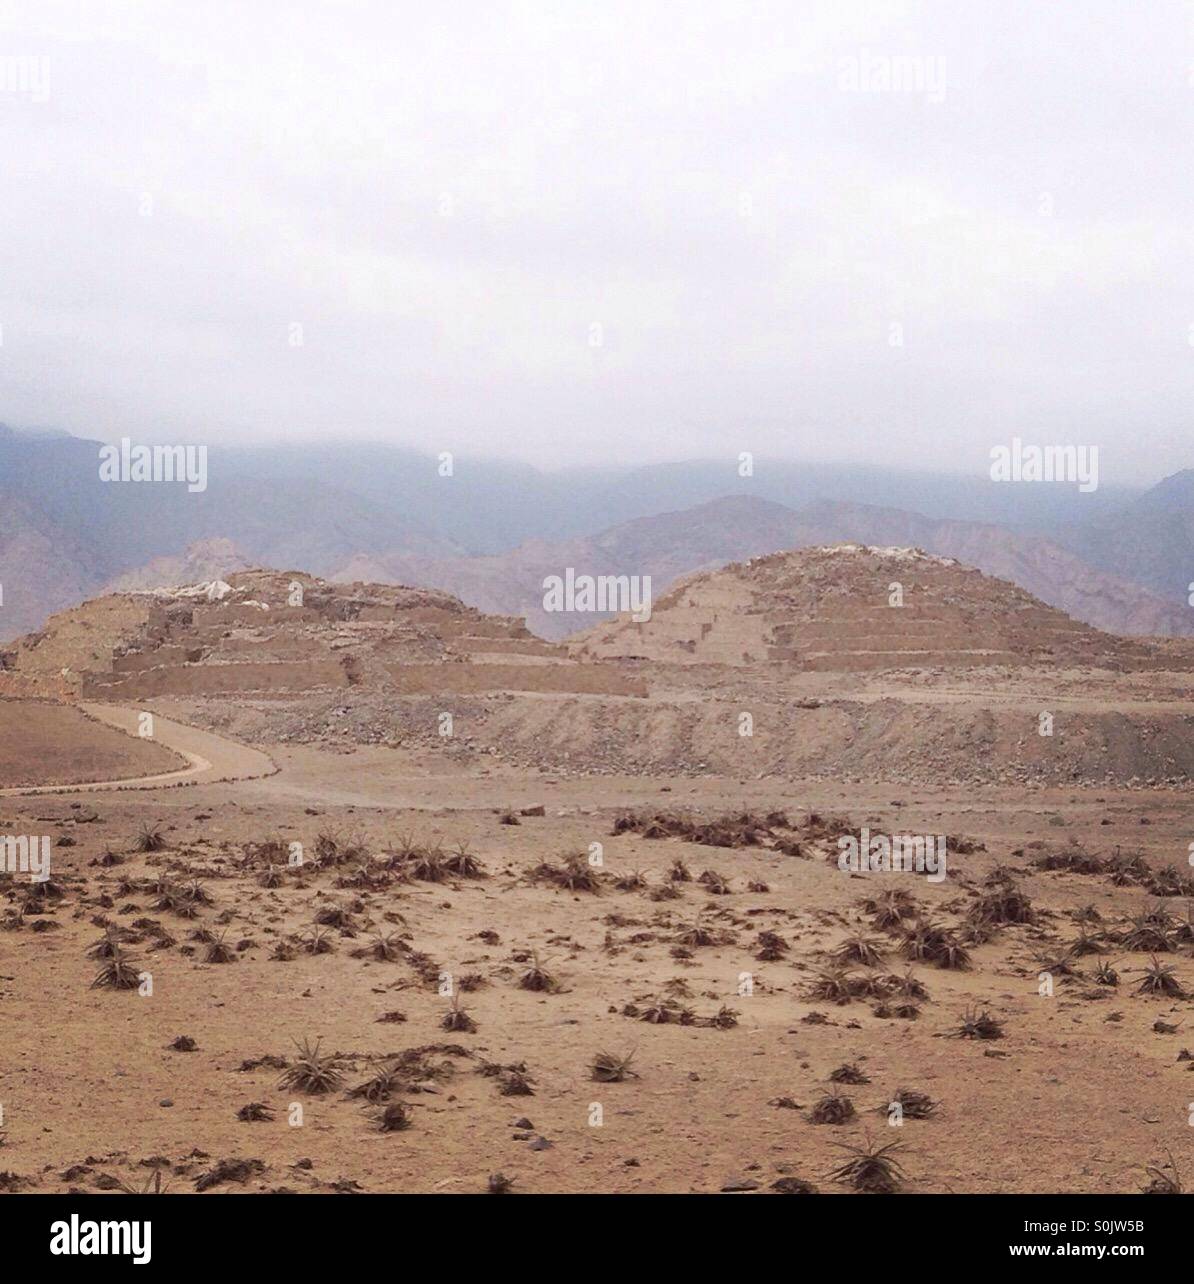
(41, 741)
(420, 873)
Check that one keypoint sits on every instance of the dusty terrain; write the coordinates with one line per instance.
(438, 879)
(41, 741)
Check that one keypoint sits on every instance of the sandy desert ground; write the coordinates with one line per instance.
(392, 966)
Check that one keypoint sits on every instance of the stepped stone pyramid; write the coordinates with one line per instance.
(854, 607)
(274, 632)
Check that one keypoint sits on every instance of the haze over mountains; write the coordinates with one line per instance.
(1116, 558)
(670, 545)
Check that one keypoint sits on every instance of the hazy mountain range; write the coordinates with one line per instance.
(670, 545)
(1117, 558)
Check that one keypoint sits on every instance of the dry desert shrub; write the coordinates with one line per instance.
(337, 916)
(154, 1185)
(335, 848)
(1056, 964)
(609, 1067)
(515, 1082)
(908, 985)
(366, 874)
(1184, 931)
(736, 830)
(428, 865)
(1002, 904)
(574, 875)
(149, 839)
(196, 893)
(725, 1018)
(772, 947)
(634, 881)
(272, 851)
(913, 1104)
(1105, 973)
(463, 863)
(1073, 859)
(537, 978)
(174, 899)
(386, 947)
(1087, 943)
(316, 940)
(381, 1084)
(871, 1169)
(891, 909)
(832, 1109)
(219, 951)
(849, 1072)
(457, 1019)
(237, 1170)
(1152, 931)
(312, 1071)
(979, 1025)
(860, 948)
(1162, 1182)
(107, 945)
(1127, 871)
(697, 934)
(905, 1011)
(393, 1117)
(793, 1186)
(925, 941)
(118, 971)
(661, 1011)
(833, 985)
(1170, 881)
(1160, 978)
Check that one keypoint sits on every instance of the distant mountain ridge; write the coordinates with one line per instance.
(491, 530)
(669, 546)
(1150, 541)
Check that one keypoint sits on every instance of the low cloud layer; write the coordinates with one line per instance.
(897, 232)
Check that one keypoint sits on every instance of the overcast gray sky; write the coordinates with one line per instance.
(604, 232)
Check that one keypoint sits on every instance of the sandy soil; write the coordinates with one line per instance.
(41, 741)
(109, 759)
(1079, 1094)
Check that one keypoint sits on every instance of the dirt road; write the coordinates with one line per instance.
(209, 757)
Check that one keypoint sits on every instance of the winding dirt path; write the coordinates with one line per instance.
(209, 757)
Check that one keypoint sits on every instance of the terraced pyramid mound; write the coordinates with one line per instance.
(852, 607)
(272, 632)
